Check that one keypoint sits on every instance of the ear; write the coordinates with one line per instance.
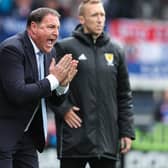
(81, 20)
(34, 27)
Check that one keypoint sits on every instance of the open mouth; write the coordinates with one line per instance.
(51, 42)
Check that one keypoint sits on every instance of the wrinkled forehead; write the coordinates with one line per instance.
(86, 3)
(93, 8)
(50, 18)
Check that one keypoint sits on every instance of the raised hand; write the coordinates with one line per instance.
(61, 69)
(71, 73)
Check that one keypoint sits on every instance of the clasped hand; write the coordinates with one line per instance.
(64, 70)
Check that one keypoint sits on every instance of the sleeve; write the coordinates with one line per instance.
(13, 79)
(125, 99)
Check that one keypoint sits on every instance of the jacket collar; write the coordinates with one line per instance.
(88, 39)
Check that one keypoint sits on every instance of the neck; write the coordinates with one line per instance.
(94, 38)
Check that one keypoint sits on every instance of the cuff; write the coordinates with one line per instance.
(62, 90)
(54, 83)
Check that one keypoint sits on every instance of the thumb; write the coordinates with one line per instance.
(122, 143)
(75, 108)
(53, 62)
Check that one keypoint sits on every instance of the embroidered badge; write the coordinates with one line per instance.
(109, 58)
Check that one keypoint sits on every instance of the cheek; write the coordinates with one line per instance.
(42, 36)
(40, 40)
(92, 23)
(104, 20)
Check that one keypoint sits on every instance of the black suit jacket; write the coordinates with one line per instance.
(21, 91)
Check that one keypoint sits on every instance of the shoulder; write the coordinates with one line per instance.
(66, 44)
(52, 53)
(116, 45)
(66, 41)
(118, 48)
(15, 42)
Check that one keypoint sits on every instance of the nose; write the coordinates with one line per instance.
(99, 18)
(56, 32)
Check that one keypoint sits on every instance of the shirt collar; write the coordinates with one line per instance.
(36, 49)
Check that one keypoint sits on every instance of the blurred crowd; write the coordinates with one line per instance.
(13, 13)
(68, 8)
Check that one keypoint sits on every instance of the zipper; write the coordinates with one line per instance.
(97, 102)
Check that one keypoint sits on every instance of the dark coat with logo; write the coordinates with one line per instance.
(102, 91)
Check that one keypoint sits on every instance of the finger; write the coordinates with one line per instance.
(73, 123)
(71, 75)
(65, 61)
(72, 72)
(66, 57)
(122, 144)
(52, 64)
(126, 147)
(74, 62)
(69, 68)
(53, 61)
(72, 119)
(75, 119)
(72, 67)
(69, 123)
(125, 150)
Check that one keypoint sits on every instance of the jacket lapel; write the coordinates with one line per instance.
(47, 60)
(31, 58)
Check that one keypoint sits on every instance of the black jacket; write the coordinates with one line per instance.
(102, 91)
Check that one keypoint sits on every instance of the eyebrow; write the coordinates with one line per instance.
(94, 1)
(86, 1)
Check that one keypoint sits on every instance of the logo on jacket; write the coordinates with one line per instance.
(82, 57)
(109, 58)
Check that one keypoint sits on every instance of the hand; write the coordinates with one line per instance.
(72, 119)
(72, 72)
(61, 69)
(125, 144)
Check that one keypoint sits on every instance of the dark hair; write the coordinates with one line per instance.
(38, 14)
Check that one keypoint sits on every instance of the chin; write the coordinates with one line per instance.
(48, 50)
(98, 33)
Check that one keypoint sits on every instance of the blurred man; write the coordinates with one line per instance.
(97, 116)
(161, 109)
(24, 59)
